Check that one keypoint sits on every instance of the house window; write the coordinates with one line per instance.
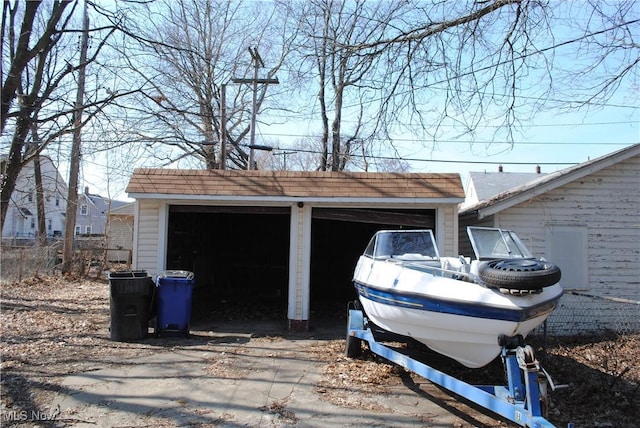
(33, 223)
(84, 209)
(77, 230)
(49, 225)
(57, 202)
(87, 230)
(30, 195)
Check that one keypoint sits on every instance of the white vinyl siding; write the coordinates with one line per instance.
(447, 230)
(606, 204)
(299, 263)
(147, 230)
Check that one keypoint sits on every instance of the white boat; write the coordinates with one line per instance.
(456, 306)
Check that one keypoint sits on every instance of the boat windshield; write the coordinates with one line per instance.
(493, 243)
(404, 244)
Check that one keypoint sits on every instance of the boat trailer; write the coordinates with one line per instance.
(523, 400)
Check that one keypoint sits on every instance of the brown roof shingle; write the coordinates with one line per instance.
(306, 184)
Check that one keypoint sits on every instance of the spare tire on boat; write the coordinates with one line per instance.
(519, 274)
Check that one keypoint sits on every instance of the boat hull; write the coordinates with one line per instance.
(460, 319)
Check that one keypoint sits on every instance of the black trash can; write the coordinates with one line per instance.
(174, 293)
(131, 304)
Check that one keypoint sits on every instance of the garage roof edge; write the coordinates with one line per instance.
(293, 185)
(295, 199)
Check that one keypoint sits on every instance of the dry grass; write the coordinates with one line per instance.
(52, 327)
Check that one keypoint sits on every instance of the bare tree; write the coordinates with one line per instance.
(328, 30)
(39, 39)
(191, 50)
(601, 51)
(464, 64)
(413, 66)
(22, 52)
(380, 69)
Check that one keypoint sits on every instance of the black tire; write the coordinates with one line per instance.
(519, 274)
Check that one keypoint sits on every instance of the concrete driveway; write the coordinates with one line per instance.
(240, 375)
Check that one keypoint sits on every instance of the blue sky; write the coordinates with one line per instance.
(552, 141)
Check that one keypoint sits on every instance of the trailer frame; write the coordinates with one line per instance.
(523, 400)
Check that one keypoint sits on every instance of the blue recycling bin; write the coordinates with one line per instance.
(174, 296)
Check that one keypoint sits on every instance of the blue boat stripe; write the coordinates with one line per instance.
(421, 302)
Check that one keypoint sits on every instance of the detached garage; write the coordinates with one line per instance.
(283, 238)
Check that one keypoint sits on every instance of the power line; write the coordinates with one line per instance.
(439, 141)
(400, 140)
(281, 151)
(442, 160)
(288, 116)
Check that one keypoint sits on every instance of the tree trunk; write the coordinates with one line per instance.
(72, 199)
(335, 131)
(42, 229)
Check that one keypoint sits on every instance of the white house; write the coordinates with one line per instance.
(585, 219)
(21, 221)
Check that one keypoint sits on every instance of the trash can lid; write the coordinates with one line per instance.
(176, 274)
(128, 274)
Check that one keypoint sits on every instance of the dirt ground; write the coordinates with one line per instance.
(53, 327)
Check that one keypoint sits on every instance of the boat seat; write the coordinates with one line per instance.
(414, 257)
(459, 264)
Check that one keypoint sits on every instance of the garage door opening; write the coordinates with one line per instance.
(338, 238)
(239, 256)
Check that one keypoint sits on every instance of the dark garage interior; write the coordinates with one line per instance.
(338, 238)
(240, 256)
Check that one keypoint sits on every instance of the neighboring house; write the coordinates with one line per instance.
(120, 233)
(481, 186)
(291, 238)
(91, 216)
(585, 219)
(21, 221)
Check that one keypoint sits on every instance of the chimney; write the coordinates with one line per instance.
(500, 169)
(86, 190)
(538, 169)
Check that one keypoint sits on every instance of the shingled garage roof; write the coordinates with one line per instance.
(310, 185)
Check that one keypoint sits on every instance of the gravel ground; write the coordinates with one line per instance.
(53, 327)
